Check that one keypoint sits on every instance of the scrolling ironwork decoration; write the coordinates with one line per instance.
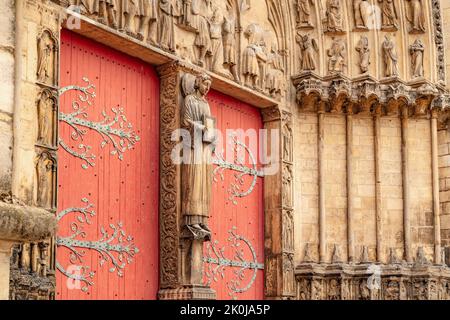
(115, 130)
(241, 170)
(115, 247)
(217, 263)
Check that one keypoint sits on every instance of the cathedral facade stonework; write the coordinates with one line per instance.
(358, 89)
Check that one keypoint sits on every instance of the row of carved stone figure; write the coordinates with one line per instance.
(364, 13)
(337, 56)
(215, 46)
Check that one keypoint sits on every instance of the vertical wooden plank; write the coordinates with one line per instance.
(122, 191)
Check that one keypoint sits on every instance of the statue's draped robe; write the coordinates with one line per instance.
(390, 58)
(197, 173)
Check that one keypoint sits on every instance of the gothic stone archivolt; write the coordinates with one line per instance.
(376, 61)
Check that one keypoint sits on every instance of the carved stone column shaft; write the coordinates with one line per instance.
(322, 212)
(436, 201)
(406, 193)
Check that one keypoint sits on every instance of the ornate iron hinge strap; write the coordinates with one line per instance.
(217, 263)
(115, 248)
(235, 190)
(114, 130)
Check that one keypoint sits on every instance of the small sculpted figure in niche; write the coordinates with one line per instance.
(229, 43)
(363, 13)
(46, 48)
(364, 54)
(309, 50)
(201, 9)
(253, 52)
(130, 11)
(262, 56)
(186, 17)
(105, 10)
(216, 41)
(415, 14)
(197, 169)
(44, 171)
(275, 72)
(46, 107)
(304, 13)
(336, 54)
(166, 28)
(390, 58)
(334, 20)
(389, 16)
(148, 20)
(416, 51)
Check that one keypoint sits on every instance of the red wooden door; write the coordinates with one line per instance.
(237, 213)
(108, 174)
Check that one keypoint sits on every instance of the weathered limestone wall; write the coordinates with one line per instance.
(7, 92)
(335, 184)
(391, 188)
(306, 194)
(421, 206)
(363, 186)
(444, 184)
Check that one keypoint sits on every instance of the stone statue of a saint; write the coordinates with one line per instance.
(44, 169)
(336, 54)
(416, 51)
(45, 57)
(334, 16)
(304, 13)
(148, 18)
(197, 169)
(390, 58)
(416, 16)
(309, 49)
(215, 26)
(166, 27)
(275, 72)
(364, 54)
(389, 16)
(363, 12)
(45, 111)
(229, 43)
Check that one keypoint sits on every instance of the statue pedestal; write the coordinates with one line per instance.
(188, 293)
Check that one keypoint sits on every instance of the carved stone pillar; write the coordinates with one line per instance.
(406, 194)
(181, 257)
(5, 255)
(278, 198)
